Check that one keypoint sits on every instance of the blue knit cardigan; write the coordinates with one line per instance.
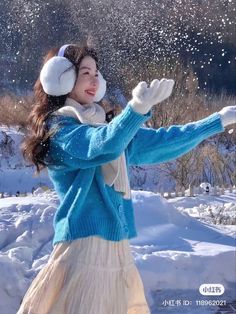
(87, 205)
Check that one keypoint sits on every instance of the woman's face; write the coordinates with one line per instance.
(87, 82)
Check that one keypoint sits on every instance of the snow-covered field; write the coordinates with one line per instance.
(182, 242)
(174, 252)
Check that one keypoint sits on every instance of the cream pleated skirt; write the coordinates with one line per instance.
(87, 276)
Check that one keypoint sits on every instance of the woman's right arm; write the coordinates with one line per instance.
(85, 146)
(92, 146)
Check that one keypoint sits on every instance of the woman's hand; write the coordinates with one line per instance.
(145, 97)
(228, 115)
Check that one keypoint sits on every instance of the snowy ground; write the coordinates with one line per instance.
(174, 252)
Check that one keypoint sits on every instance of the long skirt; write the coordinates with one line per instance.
(87, 276)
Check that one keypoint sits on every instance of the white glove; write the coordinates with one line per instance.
(145, 97)
(228, 115)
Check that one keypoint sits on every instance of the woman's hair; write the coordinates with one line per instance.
(36, 144)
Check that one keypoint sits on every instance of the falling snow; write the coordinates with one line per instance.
(170, 31)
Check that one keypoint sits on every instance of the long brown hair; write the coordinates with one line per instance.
(36, 143)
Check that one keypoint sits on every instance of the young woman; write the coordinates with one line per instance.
(91, 269)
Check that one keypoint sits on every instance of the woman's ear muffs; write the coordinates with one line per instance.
(58, 77)
(101, 89)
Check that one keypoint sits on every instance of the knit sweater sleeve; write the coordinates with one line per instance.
(83, 146)
(150, 146)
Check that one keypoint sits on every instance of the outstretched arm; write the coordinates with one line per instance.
(150, 146)
(85, 146)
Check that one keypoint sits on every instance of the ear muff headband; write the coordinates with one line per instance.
(62, 50)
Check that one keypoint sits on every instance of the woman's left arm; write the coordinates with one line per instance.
(150, 146)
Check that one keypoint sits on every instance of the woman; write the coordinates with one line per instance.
(91, 269)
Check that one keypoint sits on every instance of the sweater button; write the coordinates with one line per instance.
(120, 209)
(126, 229)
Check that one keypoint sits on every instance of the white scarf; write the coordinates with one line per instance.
(115, 172)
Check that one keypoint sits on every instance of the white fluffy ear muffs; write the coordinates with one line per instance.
(101, 89)
(58, 77)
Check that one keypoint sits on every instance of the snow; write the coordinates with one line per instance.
(174, 252)
(162, 31)
(15, 174)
